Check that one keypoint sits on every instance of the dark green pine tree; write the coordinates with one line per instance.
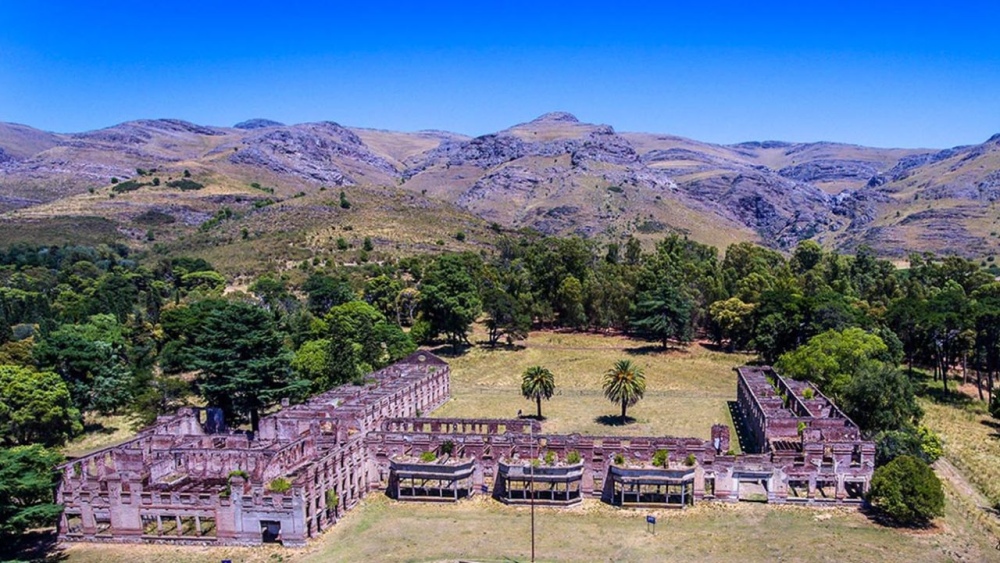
(664, 313)
(244, 363)
(27, 480)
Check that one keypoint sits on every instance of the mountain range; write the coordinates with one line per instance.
(163, 180)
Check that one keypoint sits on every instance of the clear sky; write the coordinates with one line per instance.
(905, 74)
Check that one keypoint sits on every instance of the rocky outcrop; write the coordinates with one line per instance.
(827, 170)
(257, 123)
(315, 152)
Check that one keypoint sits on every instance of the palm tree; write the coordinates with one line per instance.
(624, 384)
(537, 383)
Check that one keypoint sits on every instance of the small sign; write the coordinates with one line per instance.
(651, 519)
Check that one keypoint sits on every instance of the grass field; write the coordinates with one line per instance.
(686, 389)
(483, 530)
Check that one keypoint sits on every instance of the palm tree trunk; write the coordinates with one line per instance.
(538, 401)
(624, 406)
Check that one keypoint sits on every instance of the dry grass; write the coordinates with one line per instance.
(99, 432)
(686, 389)
(971, 441)
(483, 530)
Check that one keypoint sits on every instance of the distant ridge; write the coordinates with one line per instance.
(554, 174)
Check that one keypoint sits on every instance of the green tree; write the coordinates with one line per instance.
(732, 320)
(449, 297)
(506, 316)
(324, 292)
(311, 362)
(243, 362)
(880, 397)
(624, 384)
(832, 360)
(664, 313)
(908, 491)
(35, 407)
(27, 482)
(537, 383)
(569, 301)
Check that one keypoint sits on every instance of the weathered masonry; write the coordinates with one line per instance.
(188, 479)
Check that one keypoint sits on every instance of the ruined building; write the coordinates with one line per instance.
(188, 479)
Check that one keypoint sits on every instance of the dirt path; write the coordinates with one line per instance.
(983, 512)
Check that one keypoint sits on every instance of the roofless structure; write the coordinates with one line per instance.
(189, 480)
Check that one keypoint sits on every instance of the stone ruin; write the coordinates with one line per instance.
(189, 480)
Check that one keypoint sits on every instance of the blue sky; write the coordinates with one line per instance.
(897, 75)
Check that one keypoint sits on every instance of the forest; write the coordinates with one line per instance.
(100, 330)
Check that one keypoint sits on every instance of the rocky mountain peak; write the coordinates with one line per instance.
(257, 123)
(556, 117)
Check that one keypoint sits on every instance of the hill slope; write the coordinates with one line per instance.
(554, 174)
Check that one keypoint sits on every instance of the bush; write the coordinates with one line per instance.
(907, 491)
(344, 204)
(661, 458)
(332, 498)
(448, 447)
(428, 457)
(573, 457)
(279, 485)
(460, 236)
(185, 185)
(808, 393)
(921, 443)
(550, 458)
(341, 244)
(619, 459)
(690, 460)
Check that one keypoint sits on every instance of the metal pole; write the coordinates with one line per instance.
(531, 481)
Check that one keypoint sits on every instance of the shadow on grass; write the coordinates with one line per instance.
(746, 444)
(880, 518)
(37, 545)
(484, 345)
(98, 428)
(532, 417)
(648, 349)
(450, 351)
(613, 420)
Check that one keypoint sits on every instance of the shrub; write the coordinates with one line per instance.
(930, 444)
(279, 485)
(185, 185)
(187, 173)
(156, 181)
(690, 460)
(536, 463)
(907, 491)
(619, 459)
(428, 457)
(801, 426)
(367, 245)
(114, 180)
(344, 204)
(573, 457)
(808, 393)
(550, 458)
(341, 244)
(661, 458)
(447, 448)
(332, 498)
(128, 186)
(460, 236)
